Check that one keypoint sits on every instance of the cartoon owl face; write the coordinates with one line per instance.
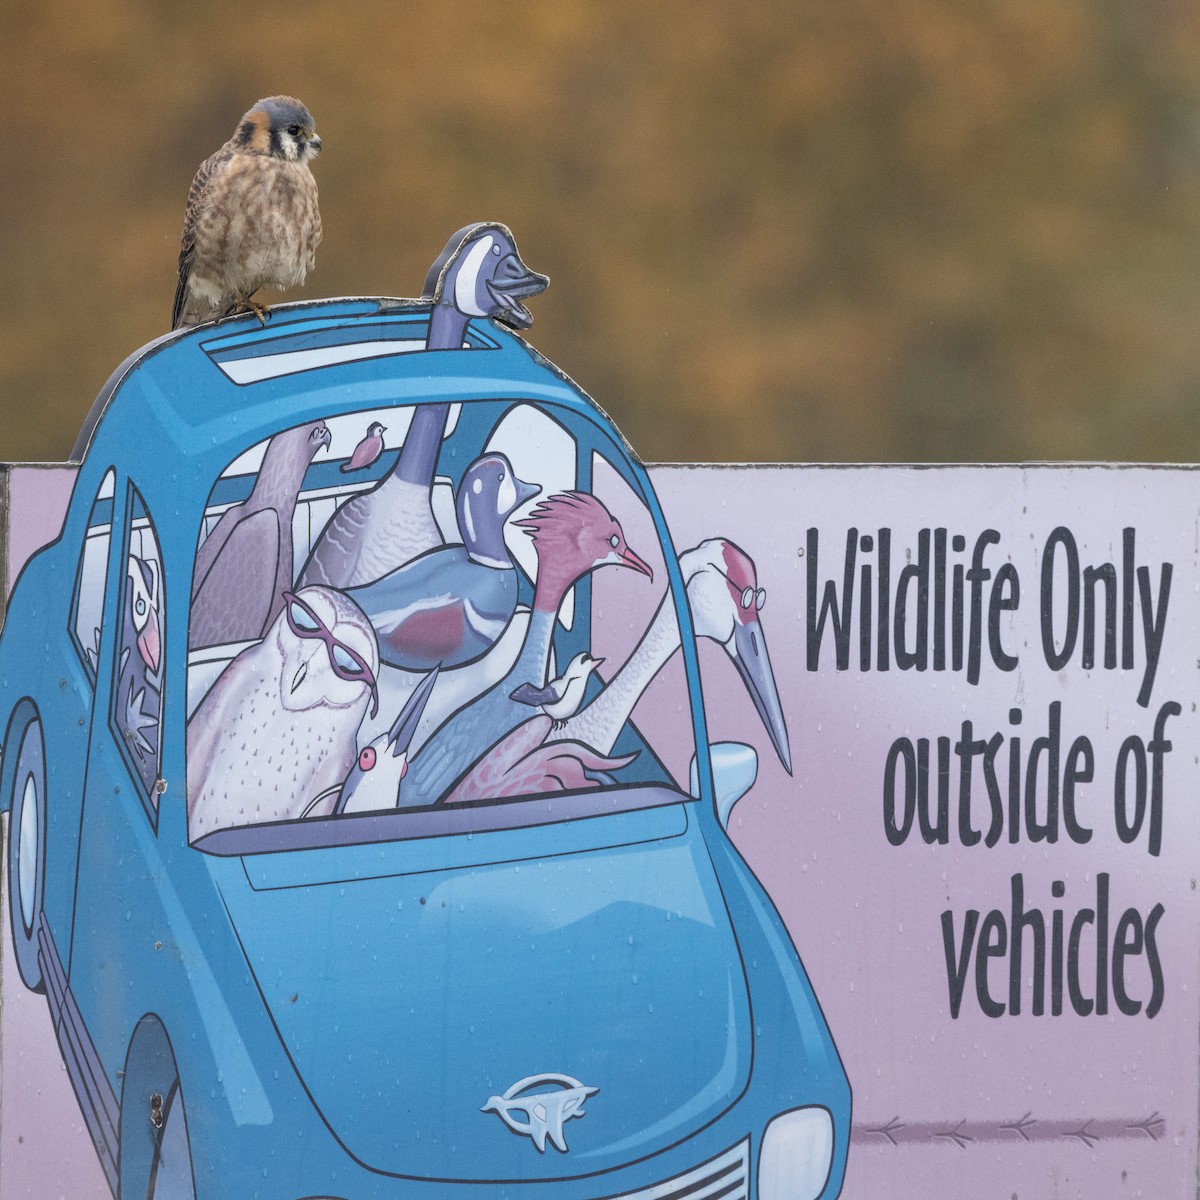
(328, 652)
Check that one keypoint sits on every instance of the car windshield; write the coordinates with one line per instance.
(429, 609)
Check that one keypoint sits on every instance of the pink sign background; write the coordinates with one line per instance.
(949, 1101)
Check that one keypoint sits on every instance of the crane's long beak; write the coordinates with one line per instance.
(748, 649)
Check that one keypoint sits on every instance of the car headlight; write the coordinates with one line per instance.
(796, 1154)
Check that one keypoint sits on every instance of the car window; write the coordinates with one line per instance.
(391, 612)
(138, 667)
(93, 576)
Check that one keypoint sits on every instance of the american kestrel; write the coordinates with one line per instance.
(252, 217)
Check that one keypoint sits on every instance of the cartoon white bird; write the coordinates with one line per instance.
(560, 698)
(279, 727)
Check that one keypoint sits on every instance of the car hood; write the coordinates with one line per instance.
(412, 1001)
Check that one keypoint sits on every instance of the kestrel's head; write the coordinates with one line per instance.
(280, 127)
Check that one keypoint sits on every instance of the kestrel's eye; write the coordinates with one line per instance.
(294, 130)
(342, 658)
(366, 760)
(614, 541)
(302, 619)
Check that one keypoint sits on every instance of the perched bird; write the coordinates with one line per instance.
(450, 605)
(573, 534)
(375, 778)
(368, 450)
(478, 274)
(561, 697)
(276, 735)
(725, 600)
(245, 564)
(252, 219)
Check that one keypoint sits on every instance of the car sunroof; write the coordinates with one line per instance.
(246, 358)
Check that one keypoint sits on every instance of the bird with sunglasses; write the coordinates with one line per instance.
(278, 728)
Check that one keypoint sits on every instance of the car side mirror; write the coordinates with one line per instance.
(735, 768)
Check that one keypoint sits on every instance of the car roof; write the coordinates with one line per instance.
(198, 397)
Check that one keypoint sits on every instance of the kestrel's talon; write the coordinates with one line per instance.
(261, 311)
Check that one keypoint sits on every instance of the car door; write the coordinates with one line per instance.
(118, 914)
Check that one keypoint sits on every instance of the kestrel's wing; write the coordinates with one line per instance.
(235, 597)
(187, 247)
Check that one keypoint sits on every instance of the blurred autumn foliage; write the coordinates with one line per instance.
(777, 230)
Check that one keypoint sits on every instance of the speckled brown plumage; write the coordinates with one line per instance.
(252, 217)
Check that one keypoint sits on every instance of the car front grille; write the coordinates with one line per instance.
(726, 1177)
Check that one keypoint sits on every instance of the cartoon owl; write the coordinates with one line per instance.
(275, 735)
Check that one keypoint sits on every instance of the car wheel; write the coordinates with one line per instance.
(27, 852)
(171, 1168)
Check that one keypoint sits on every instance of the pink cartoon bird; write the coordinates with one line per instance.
(368, 450)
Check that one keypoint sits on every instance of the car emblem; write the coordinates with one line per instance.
(541, 1114)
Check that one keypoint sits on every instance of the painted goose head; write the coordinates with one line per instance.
(481, 274)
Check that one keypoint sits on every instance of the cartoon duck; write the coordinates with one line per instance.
(478, 274)
(450, 605)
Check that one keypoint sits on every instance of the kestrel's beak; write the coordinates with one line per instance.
(314, 143)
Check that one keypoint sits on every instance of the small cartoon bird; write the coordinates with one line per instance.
(252, 218)
(561, 697)
(368, 450)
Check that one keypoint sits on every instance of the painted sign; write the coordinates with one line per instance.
(408, 793)
(988, 853)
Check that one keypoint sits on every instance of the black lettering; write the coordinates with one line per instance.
(1057, 659)
(956, 964)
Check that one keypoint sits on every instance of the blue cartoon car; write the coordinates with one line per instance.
(364, 832)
